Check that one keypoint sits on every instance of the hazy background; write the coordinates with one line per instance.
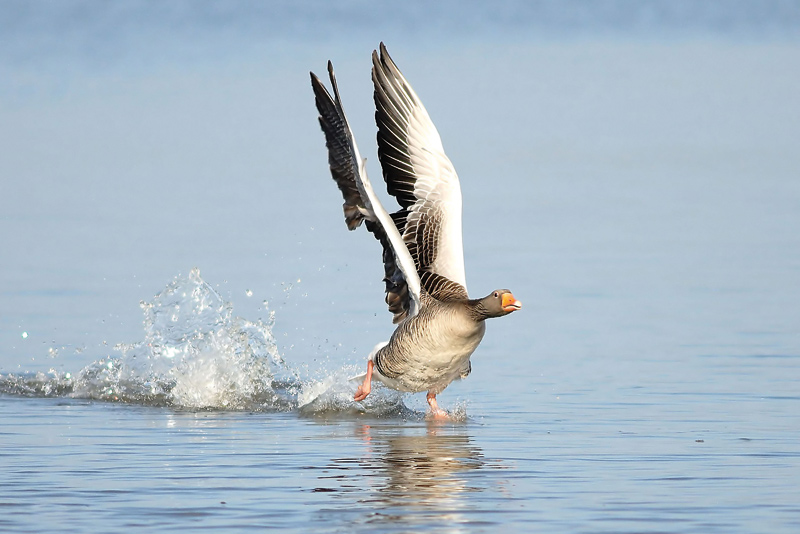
(629, 168)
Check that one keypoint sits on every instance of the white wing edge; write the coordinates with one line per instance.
(376, 211)
(404, 260)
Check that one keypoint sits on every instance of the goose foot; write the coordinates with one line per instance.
(366, 386)
(436, 413)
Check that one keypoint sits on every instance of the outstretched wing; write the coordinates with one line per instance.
(361, 203)
(422, 179)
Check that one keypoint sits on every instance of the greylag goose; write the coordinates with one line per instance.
(439, 326)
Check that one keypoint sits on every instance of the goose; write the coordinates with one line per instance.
(438, 325)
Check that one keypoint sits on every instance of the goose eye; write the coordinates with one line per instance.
(496, 295)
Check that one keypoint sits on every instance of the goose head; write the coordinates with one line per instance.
(496, 304)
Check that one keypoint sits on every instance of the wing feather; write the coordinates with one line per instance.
(422, 179)
(361, 204)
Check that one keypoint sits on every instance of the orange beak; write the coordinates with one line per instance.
(509, 303)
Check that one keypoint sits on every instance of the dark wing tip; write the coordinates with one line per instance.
(386, 59)
(337, 139)
(315, 82)
(320, 91)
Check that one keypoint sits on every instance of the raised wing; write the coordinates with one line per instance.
(422, 179)
(361, 203)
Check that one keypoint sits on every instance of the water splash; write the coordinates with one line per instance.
(333, 395)
(196, 354)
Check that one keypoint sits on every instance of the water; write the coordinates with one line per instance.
(182, 306)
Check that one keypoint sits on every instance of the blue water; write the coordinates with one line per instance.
(182, 306)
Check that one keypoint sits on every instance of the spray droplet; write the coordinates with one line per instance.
(24, 335)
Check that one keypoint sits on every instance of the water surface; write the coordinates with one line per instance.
(629, 172)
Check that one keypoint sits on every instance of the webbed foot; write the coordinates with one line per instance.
(366, 386)
(436, 413)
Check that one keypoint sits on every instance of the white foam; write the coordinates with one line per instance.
(196, 354)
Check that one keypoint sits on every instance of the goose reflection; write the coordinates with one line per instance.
(417, 473)
(424, 469)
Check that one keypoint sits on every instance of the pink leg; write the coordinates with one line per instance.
(366, 386)
(436, 412)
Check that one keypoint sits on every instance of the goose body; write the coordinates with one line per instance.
(439, 326)
(443, 338)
